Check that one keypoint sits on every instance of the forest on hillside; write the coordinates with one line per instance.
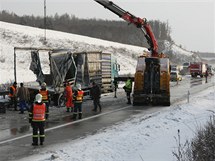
(117, 31)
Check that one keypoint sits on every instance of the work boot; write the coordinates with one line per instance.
(71, 109)
(34, 144)
(95, 110)
(74, 116)
(80, 116)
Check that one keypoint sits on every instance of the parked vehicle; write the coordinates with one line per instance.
(77, 68)
(197, 69)
(152, 77)
(186, 68)
(175, 76)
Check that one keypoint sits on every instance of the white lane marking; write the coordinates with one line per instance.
(63, 125)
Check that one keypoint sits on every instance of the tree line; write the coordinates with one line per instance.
(118, 31)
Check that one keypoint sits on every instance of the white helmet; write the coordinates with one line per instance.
(43, 84)
(38, 98)
(78, 86)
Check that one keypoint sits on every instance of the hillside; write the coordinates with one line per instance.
(207, 57)
(22, 36)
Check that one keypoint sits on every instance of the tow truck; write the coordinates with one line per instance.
(152, 77)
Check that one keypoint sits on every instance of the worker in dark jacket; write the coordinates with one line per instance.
(45, 93)
(24, 97)
(13, 96)
(128, 89)
(37, 116)
(95, 93)
(78, 99)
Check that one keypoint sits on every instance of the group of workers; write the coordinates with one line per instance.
(39, 110)
(74, 100)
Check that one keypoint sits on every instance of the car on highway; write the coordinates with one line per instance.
(175, 76)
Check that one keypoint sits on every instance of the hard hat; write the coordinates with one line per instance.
(38, 98)
(43, 84)
(78, 86)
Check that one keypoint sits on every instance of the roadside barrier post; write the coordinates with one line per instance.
(188, 96)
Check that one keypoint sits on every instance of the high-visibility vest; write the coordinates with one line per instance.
(14, 91)
(44, 94)
(39, 111)
(128, 84)
(79, 97)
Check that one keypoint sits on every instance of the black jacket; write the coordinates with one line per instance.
(95, 92)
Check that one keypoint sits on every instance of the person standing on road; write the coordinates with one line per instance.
(95, 93)
(45, 93)
(206, 76)
(128, 89)
(37, 116)
(115, 87)
(78, 99)
(13, 96)
(24, 97)
(68, 96)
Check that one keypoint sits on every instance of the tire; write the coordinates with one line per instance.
(61, 100)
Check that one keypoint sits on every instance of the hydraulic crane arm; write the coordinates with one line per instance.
(138, 22)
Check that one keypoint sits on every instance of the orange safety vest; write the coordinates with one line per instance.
(39, 111)
(14, 91)
(79, 97)
(44, 94)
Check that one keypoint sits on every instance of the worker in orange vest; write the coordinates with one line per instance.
(13, 95)
(69, 96)
(45, 95)
(78, 99)
(37, 116)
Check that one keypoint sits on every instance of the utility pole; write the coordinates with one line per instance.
(44, 20)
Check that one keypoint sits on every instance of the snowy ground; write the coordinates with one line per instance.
(139, 138)
(12, 35)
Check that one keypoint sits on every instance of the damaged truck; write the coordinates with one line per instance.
(74, 67)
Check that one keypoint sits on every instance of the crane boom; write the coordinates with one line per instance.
(138, 22)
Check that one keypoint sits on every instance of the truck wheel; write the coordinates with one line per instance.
(166, 103)
(61, 100)
(155, 102)
(134, 103)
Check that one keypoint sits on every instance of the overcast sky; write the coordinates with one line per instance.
(192, 21)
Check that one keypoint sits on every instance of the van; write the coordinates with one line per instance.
(175, 76)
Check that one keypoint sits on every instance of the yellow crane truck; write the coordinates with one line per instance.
(152, 77)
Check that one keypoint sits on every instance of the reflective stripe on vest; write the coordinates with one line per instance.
(14, 91)
(39, 111)
(79, 97)
(44, 93)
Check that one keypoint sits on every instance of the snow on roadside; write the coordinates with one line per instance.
(13, 35)
(142, 137)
